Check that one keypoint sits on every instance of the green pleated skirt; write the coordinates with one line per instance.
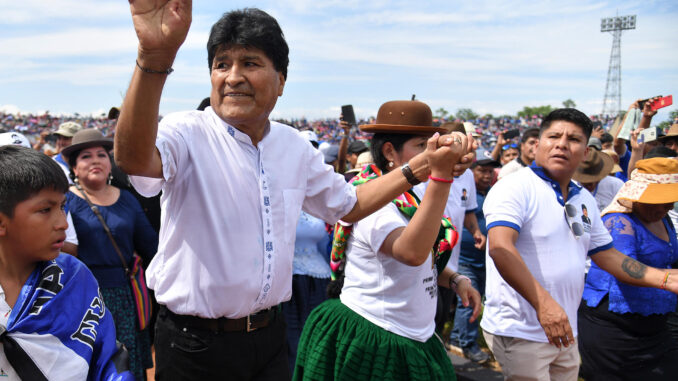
(339, 344)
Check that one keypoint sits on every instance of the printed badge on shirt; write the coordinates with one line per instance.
(585, 219)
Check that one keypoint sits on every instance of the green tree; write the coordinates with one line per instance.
(466, 114)
(569, 103)
(441, 113)
(665, 125)
(538, 110)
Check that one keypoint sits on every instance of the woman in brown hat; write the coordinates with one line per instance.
(382, 327)
(91, 164)
(622, 328)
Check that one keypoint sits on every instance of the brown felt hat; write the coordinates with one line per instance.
(673, 132)
(87, 138)
(403, 117)
(596, 166)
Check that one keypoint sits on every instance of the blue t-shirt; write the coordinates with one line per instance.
(632, 238)
(131, 231)
(469, 255)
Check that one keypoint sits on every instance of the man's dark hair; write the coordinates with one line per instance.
(660, 151)
(529, 133)
(24, 173)
(250, 27)
(571, 115)
(378, 141)
(606, 138)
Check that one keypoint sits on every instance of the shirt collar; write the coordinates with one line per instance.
(234, 132)
(572, 189)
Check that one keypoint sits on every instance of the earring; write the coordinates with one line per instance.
(110, 179)
(390, 164)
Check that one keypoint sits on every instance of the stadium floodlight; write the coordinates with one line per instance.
(612, 99)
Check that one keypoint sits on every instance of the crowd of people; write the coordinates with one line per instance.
(329, 250)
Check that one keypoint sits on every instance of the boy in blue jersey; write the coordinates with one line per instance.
(53, 323)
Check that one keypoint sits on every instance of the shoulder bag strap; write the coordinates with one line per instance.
(103, 223)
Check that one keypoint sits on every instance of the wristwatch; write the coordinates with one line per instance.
(407, 172)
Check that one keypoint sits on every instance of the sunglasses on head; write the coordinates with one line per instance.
(575, 226)
(507, 146)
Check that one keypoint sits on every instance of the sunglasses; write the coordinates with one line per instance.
(507, 146)
(575, 226)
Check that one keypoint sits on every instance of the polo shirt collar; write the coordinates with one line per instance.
(572, 189)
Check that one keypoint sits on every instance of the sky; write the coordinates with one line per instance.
(495, 57)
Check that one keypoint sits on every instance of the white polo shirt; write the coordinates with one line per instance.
(392, 295)
(531, 203)
(462, 200)
(229, 213)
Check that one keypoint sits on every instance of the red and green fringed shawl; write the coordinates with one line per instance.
(407, 203)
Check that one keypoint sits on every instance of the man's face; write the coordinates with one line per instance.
(529, 149)
(590, 186)
(508, 155)
(63, 142)
(353, 159)
(483, 174)
(37, 230)
(671, 143)
(561, 148)
(245, 87)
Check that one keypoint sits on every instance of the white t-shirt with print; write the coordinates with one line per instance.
(555, 258)
(6, 370)
(392, 295)
(462, 199)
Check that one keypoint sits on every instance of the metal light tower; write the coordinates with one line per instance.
(612, 100)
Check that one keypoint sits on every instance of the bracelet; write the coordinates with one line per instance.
(441, 180)
(407, 172)
(456, 279)
(151, 71)
(666, 279)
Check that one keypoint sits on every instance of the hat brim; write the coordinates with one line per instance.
(616, 168)
(401, 129)
(653, 194)
(486, 162)
(106, 143)
(608, 164)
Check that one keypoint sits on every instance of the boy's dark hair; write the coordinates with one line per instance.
(529, 133)
(660, 151)
(250, 27)
(571, 115)
(24, 173)
(606, 138)
(378, 141)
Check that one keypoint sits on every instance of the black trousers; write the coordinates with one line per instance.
(624, 346)
(185, 353)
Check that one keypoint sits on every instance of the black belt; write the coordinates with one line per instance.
(248, 323)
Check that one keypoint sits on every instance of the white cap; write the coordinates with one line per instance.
(309, 135)
(14, 138)
(471, 129)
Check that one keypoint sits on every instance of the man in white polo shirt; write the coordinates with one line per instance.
(233, 186)
(538, 240)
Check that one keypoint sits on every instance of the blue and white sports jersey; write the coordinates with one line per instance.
(61, 322)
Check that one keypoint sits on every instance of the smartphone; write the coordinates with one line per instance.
(510, 134)
(348, 114)
(662, 102)
(641, 103)
(647, 135)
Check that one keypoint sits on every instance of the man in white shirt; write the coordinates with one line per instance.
(538, 240)
(233, 187)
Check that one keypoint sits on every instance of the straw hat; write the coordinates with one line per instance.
(90, 137)
(364, 159)
(654, 181)
(596, 166)
(673, 132)
(403, 117)
(615, 157)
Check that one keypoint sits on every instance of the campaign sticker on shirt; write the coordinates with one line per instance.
(586, 221)
(464, 197)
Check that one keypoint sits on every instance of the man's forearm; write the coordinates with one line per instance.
(471, 222)
(512, 268)
(137, 125)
